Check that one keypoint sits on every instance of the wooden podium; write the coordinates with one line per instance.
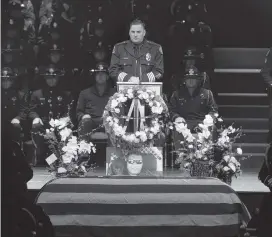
(139, 111)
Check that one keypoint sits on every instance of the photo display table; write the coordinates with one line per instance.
(142, 206)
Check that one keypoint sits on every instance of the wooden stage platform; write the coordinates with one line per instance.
(247, 182)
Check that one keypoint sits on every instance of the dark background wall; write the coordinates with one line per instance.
(241, 23)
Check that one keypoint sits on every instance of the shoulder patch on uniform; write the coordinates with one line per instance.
(114, 49)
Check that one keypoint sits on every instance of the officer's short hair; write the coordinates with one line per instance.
(137, 22)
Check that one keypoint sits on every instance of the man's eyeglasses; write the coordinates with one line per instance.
(135, 161)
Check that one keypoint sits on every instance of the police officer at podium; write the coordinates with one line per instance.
(267, 76)
(49, 102)
(137, 60)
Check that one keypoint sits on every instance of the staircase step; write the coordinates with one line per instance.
(239, 82)
(244, 111)
(242, 99)
(252, 161)
(253, 136)
(251, 147)
(247, 123)
(249, 58)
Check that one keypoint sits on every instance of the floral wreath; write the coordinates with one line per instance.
(112, 117)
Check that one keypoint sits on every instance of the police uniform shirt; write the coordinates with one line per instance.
(49, 103)
(195, 107)
(144, 61)
(92, 103)
(14, 104)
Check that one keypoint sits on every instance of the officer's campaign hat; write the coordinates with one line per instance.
(100, 67)
(51, 70)
(192, 53)
(56, 49)
(192, 73)
(8, 73)
(10, 45)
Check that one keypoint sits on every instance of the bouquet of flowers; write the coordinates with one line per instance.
(215, 153)
(196, 147)
(69, 155)
(226, 163)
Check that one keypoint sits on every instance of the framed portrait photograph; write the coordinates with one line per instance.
(145, 162)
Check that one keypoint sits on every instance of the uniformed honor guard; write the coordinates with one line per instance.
(265, 175)
(50, 102)
(191, 102)
(14, 105)
(137, 60)
(92, 101)
(267, 76)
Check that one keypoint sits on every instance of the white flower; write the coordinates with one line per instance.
(52, 123)
(227, 158)
(63, 122)
(239, 151)
(232, 167)
(52, 129)
(208, 121)
(130, 96)
(156, 110)
(84, 147)
(117, 110)
(231, 129)
(190, 138)
(94, 149)
(233, 160)
(143, 137)
(61, 170)
(198, 154)
(118, 130)
(150, 136)
(220, 120)
(83, 168)
(114, 103)
(67, 158)
(226, 169)
(191, 146)
(186, 165)
(47, 131)
(65, 133)
(122, 98)
(151, 104)
(145, 96)
(216, 115)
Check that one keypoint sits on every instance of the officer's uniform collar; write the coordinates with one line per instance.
(94, 90)
(144, 48)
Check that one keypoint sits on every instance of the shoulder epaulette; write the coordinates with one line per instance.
(151, 42)
(124, 42)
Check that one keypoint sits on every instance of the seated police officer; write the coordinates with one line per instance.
(14, 104)
(191, 102)
(92, 101)
(50, 102)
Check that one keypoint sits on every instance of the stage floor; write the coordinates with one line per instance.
(247, 182)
